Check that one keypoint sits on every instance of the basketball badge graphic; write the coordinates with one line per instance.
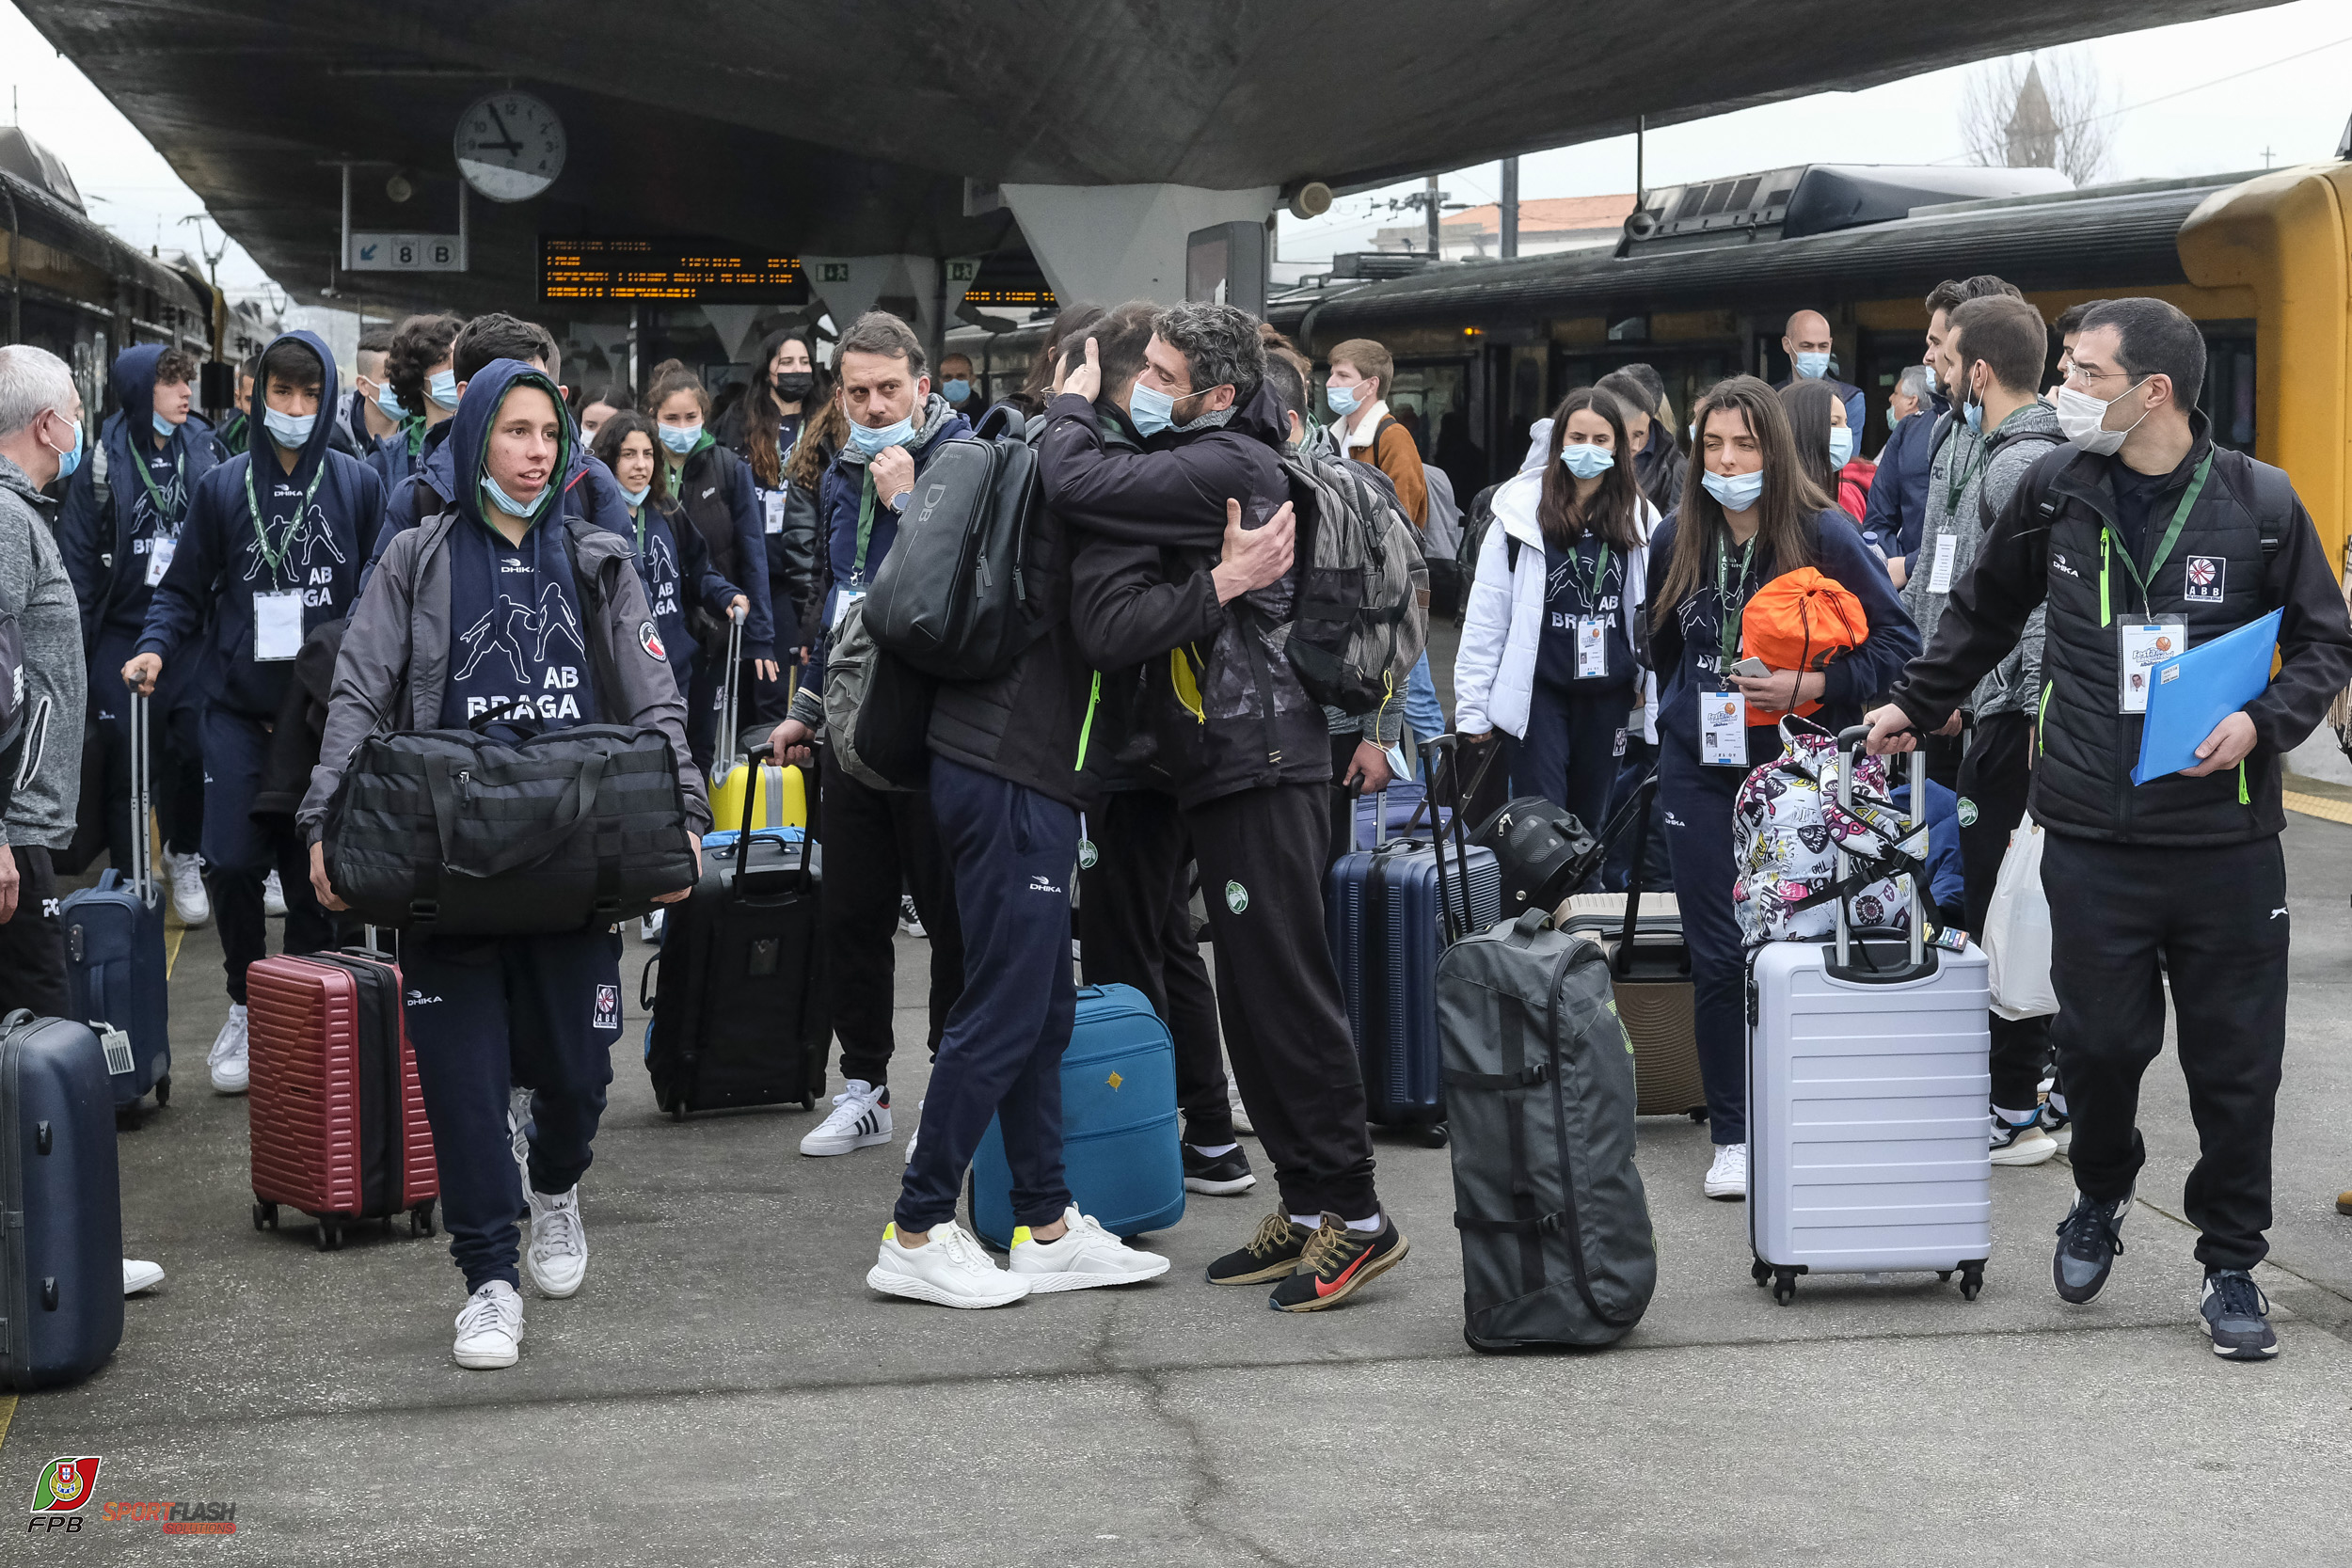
(2208, 575)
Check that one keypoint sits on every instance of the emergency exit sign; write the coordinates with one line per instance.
(407, 253)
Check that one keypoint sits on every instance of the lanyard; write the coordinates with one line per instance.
(179, 473)
(1730, 603)
(638, 515)
(1966, 472)
(2108, 539)
(275, 559)
(1601, 577)
(865, 527)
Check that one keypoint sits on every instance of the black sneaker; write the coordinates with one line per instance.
(1271, 1254)
(2237, 1315)
(2087, 1246)
(1217, 1175)
(1337, 1262)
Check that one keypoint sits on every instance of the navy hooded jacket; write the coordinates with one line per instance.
(590, 491)
(107, 556)
(220, 567)
(1898, 508)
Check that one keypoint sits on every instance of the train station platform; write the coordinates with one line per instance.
(726, 1389)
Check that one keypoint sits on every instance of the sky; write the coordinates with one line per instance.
(2199, 123)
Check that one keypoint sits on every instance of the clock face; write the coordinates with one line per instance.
(510, 146)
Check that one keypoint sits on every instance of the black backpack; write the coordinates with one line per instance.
(1363, 599)
(949, 598)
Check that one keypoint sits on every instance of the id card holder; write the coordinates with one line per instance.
(1940, 574)
(772, 505)
(843, 599)
(1723, 729)
(2145, 645)
(1592, 647)
(277, 626)
(159, 551)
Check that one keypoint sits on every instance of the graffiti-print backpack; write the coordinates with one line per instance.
(1785, 829)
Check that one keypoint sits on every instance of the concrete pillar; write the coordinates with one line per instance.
(1111, 244)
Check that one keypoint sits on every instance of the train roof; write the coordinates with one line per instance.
(2125, 231)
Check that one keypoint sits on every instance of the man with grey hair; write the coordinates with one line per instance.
(40, 439)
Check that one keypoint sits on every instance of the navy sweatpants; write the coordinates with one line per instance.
(484, 1013)
(1570, 751)
(1011, 851)
(1694, 805)
(243, 852)
(176, 746)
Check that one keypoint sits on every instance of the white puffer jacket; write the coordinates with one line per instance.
(1494, 669)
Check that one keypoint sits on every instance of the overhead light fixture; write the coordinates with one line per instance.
(401, 186)
(1311, 200)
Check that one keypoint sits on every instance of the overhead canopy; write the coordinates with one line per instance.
(851, 129)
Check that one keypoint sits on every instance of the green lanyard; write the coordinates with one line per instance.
(2108, 539)
(275, 559)
(865, 528)
(1601, 577)
(179, 473)
(636, 514)
(1730, 602)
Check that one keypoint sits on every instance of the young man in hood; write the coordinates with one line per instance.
(876, 842)
(1185, 567)
(270, 549)
(502, 602)
(120, 522)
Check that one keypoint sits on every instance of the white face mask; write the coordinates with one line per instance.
(2083, 419)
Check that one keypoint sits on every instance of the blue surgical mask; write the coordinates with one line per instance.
(956, 390)
(71, 458)
(1342, 399)
(1734, 492)
(441, 386)
(389, 406)
(1586, 461)
(681, 439)
(1840, 445)
(290, 431)
(869, 441)
(507, 503)
(163, 426)
(1973, 412)
(636, 497)
(1151, 410)
(1812, 366)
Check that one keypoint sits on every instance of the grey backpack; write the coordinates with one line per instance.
(1556, 1240)
(878, 709)
(1362, 610)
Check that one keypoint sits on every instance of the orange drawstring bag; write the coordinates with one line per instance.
(1799, 621)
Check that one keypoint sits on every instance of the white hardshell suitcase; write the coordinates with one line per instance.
(1868, 1084)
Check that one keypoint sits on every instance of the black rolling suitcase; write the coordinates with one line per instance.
(61, 1249)
(739, 1015)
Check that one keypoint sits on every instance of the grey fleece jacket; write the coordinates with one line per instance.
(395, 657)
(2015, 684)
(35, 588)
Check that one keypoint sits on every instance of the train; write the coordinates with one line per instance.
(1706, 274)
(85, 294)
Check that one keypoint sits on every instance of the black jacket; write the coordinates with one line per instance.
(2050, 553)
(1228, 712)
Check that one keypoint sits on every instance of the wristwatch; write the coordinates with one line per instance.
(898, 502)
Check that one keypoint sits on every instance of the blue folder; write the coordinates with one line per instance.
(2196, 692)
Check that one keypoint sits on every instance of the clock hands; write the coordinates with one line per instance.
(510, 143)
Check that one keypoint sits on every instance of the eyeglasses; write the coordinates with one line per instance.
(2084, 380)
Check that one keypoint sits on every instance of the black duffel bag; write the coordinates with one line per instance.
(450, 832)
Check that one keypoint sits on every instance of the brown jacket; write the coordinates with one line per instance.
(1391, 450)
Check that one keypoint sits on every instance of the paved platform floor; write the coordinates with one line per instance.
(726, 1389)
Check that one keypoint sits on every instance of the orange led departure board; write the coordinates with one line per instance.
(684, 271)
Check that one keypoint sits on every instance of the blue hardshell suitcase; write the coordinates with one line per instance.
(1398, 808)
(1120, 1147)
(1389, 912)
(61, 1253)
(114, 954)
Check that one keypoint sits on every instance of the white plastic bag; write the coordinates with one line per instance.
(2016, 936)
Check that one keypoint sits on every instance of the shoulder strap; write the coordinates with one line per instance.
(2274, 505)
(1985, 516)
(1510, 550)
(593, 615)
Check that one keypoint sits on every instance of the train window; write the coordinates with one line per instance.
(1424, 394)
(1745, 191)
(1717, 195)
(1689, 206)
(2228, 395)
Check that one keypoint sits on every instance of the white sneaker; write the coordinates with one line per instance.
(231, 1070)
(273, 896)
(2024, 1143)
(649, 927)
(138, 1276)
(1727, 1177)
(189, 901)
(918, 1128)
(1083, 1256)
(859, 1120)
(490, 1328)
(948, 1271)
(1241, 1112)
(558, 1254)
(910, 922)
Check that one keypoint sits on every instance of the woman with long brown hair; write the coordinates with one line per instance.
(1547, 652)
(763, 428)
(1749, 514)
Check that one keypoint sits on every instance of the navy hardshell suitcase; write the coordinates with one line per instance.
(1120, 1141)
(114, 954)
(61, 1255)
(1390, 912)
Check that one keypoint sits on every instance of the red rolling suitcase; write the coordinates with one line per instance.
(337, 1113)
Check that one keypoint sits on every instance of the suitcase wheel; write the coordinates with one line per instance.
(1784, 1286)
(163, 1090)
(677, 1110)
(330, 1238)
(1942, 1276)
(264, 1215)
(808, 1103)
(1761, 1271)
(1696, 1113)
(1971, 1280)
(1433, 1135)
(421, 1220)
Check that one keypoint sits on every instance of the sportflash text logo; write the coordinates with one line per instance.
(61, 1499)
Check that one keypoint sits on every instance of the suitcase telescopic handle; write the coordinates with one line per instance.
(142, 788)
(1445, 745)
(1849, 744)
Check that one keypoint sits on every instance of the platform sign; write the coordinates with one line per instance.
(407, 252)
(670, 269)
